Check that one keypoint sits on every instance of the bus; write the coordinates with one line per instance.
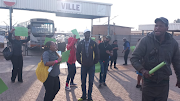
(40, 28)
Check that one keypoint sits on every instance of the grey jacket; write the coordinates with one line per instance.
(151, 52)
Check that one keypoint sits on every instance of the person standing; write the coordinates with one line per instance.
(114, 57)
(105, 50)
(158, 46)
(17, 58)
(87, 55)
(71, 62)
(126, 50)
(51, 58)
(139, 77)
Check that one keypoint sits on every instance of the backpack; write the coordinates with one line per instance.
(7, 53)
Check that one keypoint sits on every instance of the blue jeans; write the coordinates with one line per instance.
(104, 68)
(71, 72)
(84, 71)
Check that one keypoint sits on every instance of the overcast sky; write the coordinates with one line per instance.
(131, 13)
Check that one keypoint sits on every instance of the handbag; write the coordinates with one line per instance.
(42, 72)
(7, 53)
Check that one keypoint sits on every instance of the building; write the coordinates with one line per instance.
(174, 28)
(114, 30)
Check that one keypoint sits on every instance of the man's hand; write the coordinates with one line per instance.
(115, 48)
(108, 52)
(145, 73)
(74, 36)
(178, 84)
(12, 30)
(123, 51)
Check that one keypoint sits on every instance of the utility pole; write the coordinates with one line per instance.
(10, 11)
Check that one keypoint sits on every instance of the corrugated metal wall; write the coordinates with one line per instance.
(88, 8)
(133, 39)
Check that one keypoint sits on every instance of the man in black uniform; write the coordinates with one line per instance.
(156, 47)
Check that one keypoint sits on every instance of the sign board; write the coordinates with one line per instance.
(68, 6)
(1, 39)
(9, 3)
(101, 10)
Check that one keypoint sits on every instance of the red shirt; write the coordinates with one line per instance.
(71, 46)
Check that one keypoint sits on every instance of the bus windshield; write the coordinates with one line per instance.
(42, 28)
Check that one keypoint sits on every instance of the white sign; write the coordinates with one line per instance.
(1, 39)
(68, 6)
(9, 2)
(101, 10)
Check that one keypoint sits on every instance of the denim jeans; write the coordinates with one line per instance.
(104, 68)
(84, 71)
(71, 72)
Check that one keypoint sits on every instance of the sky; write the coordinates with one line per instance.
(130, 13)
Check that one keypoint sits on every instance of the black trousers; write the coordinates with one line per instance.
(126, 56)
(113, 60)
(17, 62)
(52, 86)
(153, 91)
(71, 72)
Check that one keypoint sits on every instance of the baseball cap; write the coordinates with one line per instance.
(164, 20)
(124, 38)
(108, 37)
(86, 30)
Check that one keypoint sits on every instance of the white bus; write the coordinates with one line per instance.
(40, 28)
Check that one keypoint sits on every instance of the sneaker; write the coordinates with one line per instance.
(81, 99)
(99, 85)
(21, 81)
(73, 84)
(104, 84)
(124, 64)
(138, 86)
(90, 100)
(67, 88)
(12, 81)
(115, 67)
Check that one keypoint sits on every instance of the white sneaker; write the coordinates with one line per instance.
(67, 88)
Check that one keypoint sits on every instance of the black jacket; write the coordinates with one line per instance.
(17, 45)
(81, 54)
(153, 53)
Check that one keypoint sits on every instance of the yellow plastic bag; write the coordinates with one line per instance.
(42, 72)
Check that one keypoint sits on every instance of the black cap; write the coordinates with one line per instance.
(164, 20)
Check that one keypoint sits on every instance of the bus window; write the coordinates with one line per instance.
(42, 28)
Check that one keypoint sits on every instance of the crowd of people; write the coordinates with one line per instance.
(156, 47)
